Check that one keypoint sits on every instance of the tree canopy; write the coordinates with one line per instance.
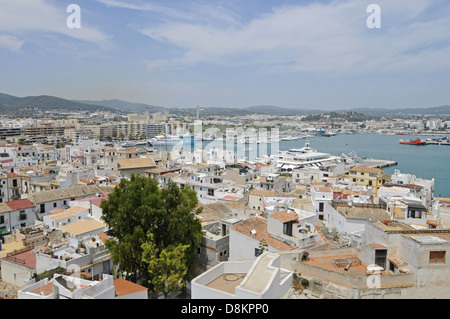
(151, 224)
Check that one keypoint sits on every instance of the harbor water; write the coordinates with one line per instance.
(425, 161)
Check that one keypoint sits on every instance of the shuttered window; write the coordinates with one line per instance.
(437, 256)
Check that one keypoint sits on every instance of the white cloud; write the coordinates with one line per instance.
(24, 17)
(317, 37)
(10, 43)
(197, 11)
(142, 6)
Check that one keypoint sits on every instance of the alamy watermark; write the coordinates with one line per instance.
(374, 19)
(374, 280)
(74, 19)
(229, 146)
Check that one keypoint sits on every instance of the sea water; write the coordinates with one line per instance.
(426, 161)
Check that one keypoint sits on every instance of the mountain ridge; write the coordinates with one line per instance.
(43, 102)
(10, 103)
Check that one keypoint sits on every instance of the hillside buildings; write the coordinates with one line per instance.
(349, 230)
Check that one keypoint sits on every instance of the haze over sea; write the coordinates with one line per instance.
(427, 161)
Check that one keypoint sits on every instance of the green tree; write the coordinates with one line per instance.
(166, 268)
(137, 208)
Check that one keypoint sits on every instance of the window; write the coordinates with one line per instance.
(54, 204)
(437, 257)
(380, 257)
(287, 228)
(42, 208)
(320, 207)
(2, 219)
(23, 215)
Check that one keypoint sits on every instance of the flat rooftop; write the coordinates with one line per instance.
(338, 263)
(227, 282)
(393, 226)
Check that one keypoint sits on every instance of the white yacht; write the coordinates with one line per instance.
(301, 157)
(128, 144)
(163, 140)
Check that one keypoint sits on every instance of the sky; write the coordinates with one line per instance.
(310, 54)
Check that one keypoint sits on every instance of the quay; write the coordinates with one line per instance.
(443, 142)
(374, 163)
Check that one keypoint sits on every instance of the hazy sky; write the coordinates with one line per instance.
(230, 53)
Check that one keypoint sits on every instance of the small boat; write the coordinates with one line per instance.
(128, 144)
(417, 141)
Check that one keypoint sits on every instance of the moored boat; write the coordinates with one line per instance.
(417, 141)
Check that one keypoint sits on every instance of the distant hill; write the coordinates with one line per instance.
(141, 107)
(10, 103)
(233, 111)
(126, 106)
(271, 109)
(436, 110)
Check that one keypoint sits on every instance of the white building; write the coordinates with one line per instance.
(282, 231)
(350, 219)
(72, 287)
(15, 215)
(48, 200)
(262, 279)
(419, 188)
(321, 196)
(68, 216)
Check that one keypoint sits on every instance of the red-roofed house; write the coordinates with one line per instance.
(127, 290)
(18, 269)
(16, 214)
(20, 204)
(69, 287)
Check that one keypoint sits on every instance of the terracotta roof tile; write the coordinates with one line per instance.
(45, 289)
(20, 204)
(27, 258)
(125, 287)
(284, 216)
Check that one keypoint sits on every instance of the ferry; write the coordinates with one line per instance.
(417, 141)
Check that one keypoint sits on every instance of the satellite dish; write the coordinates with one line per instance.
(26, 278)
